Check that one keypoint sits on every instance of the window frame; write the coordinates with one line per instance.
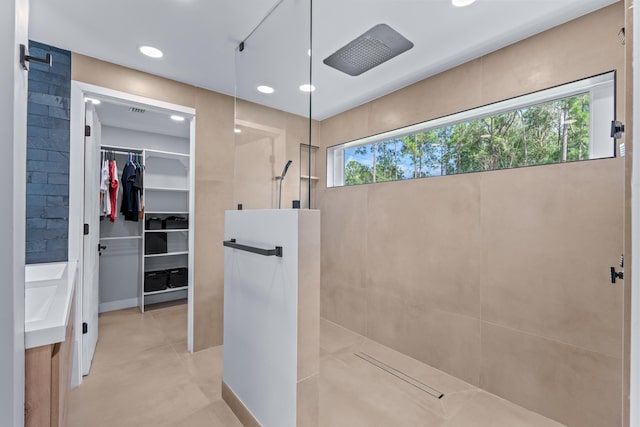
(601, 87)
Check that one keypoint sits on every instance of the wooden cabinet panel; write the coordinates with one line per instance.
(48, 381)
(37, 407)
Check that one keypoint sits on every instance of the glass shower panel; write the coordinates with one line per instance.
(273, 110)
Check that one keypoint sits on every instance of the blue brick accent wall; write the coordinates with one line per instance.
(48, 139)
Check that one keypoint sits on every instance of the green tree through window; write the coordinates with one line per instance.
(551, 132)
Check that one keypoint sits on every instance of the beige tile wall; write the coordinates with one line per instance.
(484, 275)
(283, 133)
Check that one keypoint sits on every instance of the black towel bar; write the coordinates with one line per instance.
(266, 252)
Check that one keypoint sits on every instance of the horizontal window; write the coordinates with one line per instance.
(566, 123)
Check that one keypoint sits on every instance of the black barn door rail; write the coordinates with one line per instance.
(266, 252)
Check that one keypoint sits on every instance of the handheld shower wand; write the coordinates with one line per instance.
(281, 178)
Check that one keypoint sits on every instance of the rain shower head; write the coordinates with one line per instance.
(378, 45)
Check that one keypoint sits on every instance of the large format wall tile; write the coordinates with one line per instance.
(415, 103)
(447, 341)
(345, 127)
(344, 305)
(214, 136)
(105, 74)
(308, 293)
(423, 242)
(212, 199)
(344, 231)
(575, 50)
(577, 387)
(549, 252)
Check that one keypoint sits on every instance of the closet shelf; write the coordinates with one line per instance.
(164, 291)
(120, 149)
(121, 238)
(166, 254)
(165, 189)
(165, 154)
(170, 230)
(165, 213)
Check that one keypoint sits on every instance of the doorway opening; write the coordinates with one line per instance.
(132, 205)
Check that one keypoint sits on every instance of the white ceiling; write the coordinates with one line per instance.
(118, 114)
(199, 38)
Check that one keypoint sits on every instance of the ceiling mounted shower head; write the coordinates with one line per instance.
(378, 45)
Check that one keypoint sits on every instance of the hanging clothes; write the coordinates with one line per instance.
(138, 185)
(130, 207)
(113, 189)
(105, 184)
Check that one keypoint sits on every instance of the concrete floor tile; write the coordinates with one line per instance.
(142, 376)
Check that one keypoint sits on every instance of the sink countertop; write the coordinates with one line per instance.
(48, 300)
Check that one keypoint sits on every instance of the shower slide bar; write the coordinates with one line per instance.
(277, 251)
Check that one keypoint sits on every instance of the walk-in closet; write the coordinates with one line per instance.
(144, 181)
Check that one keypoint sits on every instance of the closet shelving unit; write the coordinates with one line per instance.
(106, 239)
(167, 193)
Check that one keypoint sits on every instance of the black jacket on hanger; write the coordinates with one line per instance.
(129, 207)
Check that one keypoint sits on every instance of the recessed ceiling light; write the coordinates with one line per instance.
(307, 88)
(462, 3)
(236, 130)
(92, 100)
(265, 89)
(151, 52)
(177, 118)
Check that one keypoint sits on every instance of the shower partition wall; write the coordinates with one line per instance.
(272, 252)
(273, 109)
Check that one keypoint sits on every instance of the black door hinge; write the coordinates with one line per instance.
(87, 130)
(85, 328)
(86, 229)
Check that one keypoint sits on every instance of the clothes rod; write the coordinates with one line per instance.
(266, 252)
(107, 150)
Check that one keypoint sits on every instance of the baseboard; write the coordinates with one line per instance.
(237, 407)
(169, 296)
(117, 305)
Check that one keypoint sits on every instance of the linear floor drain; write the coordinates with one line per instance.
(401, 375)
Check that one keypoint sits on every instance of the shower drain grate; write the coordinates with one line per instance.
(400, 375)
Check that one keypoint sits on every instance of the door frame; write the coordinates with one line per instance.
(80, 90)
(634, 234)
(14, 16)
